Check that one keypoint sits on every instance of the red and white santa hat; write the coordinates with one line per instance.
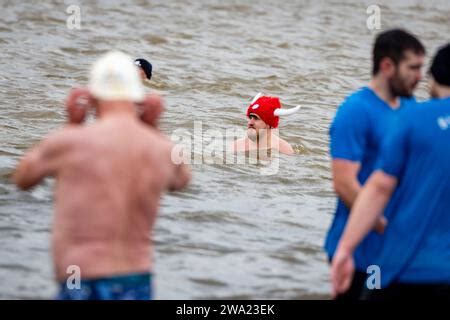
(269, 109)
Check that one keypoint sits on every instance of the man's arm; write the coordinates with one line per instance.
(151, 109)
(347, 186)
(181, 174)
(345, 180)
(348, 145)
(367, 208)
(37, 163)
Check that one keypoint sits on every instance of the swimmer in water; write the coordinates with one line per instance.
(262, 127)
(145, 69)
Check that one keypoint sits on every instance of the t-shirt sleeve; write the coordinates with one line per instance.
(348, 132)
(394, 150)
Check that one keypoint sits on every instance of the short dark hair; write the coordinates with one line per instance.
(440, 67)
(393, 44)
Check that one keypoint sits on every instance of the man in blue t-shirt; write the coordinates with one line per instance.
(358, 129)
(412, 186)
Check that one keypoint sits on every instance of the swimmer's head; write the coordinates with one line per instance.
(264, 107)
(264, 113)
(440, 71)
(145, 68)
(115, 77)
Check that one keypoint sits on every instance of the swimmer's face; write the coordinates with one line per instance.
(254, 126)
(407, 74)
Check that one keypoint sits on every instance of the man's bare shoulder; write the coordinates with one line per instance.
(157, 142)
(157, 134)
(64, 136)
(285, 147)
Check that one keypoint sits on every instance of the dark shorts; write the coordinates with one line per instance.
(124, 287)
(409, 291)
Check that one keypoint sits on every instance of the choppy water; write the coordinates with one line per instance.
(233, 233)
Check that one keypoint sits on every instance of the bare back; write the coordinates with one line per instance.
(109, 180)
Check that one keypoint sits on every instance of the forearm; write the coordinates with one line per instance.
(366, 210)
(348, 191)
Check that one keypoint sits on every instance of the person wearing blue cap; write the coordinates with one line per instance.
(411, 185)
(145, 68)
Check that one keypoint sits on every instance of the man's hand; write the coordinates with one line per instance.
(380, 225)
(342, 270)
(78, 102)
(150, 109)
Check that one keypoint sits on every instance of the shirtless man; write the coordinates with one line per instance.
(110, 176)
(263, 117)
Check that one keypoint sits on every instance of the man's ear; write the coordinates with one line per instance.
(387, 67)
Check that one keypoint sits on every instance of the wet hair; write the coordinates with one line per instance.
(440, 67)
(393, 44)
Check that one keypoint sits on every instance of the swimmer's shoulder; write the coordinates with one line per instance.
(285, 147)
(156, 138)
(63, 139)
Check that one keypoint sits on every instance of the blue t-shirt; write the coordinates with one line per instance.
(416, 243)
(356, 134)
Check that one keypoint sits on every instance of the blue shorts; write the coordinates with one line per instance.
(123, 287)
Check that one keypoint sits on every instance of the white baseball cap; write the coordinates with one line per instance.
(115, 77)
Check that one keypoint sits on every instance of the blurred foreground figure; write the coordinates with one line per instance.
(411, 186)
(359, 128)
(110, 176)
